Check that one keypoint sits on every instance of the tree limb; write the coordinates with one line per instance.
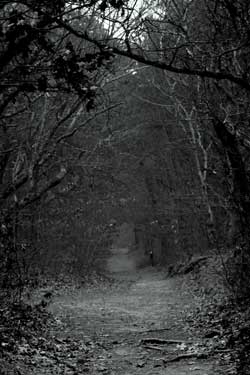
(31, 198)
(203, 73)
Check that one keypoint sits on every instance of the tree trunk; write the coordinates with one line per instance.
(240, 181)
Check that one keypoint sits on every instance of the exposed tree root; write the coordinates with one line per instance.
(153, 347)
(153, 340)
(185, 356)
(154, 330)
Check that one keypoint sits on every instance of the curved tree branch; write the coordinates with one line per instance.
(203, 73)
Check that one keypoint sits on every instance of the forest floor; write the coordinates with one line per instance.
(137, 327)
(136, 321)
(137, 324)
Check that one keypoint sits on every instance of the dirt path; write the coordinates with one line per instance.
(114, 321)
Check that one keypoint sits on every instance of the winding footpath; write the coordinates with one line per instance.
(134, 326)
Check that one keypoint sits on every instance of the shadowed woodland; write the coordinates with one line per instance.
(124, 168)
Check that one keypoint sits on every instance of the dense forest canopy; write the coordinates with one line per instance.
(124, 161)
(115, 111)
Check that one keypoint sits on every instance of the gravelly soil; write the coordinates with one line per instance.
(108, 328)
(113, 321)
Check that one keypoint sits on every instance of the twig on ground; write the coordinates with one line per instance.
(221, 351)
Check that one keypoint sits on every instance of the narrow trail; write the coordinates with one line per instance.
(114, 321)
